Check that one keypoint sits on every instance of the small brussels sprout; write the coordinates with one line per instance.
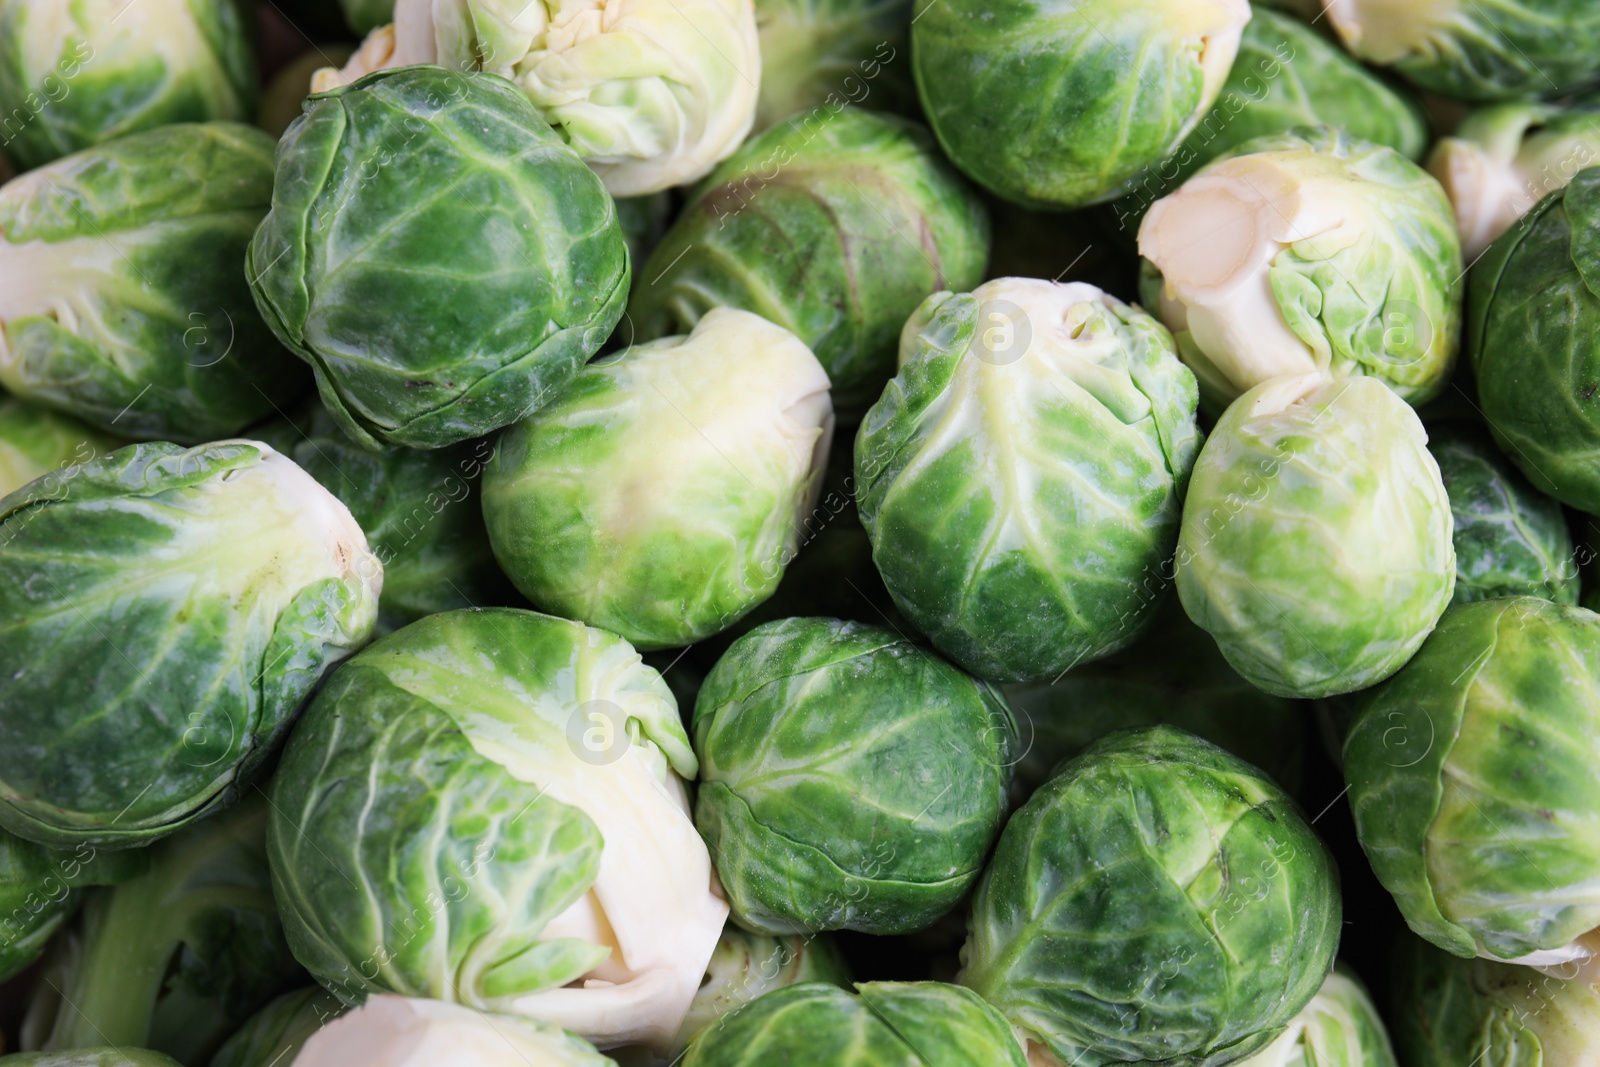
(536, 856)
(1471, 773)
(1316, 537)
(1064, 103)
(420, 512)
(172, 609)
(849, 779)
(1308, 250)
(1534, 341)
(824, 53)
(40, 889)
(90, 1057)
(175, 959)
(746, 966)
(274, 1035)
(1157, 901)
(1507, 158)
(390, 1031)
(35, 441)
(833, 226)
(364, 16)
(662, 494)
(122, 298)
(1476, 51)
(1510, 539)
(285, 96)
(439, 257)
(907, 1024)
(74, 73)
(651, 94)
(1341, 1027)
(1021, 478)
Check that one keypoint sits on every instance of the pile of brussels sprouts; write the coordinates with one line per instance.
(840, 533)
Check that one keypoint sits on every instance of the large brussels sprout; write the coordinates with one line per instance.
(74, 73)
(651, 94)
(1157, 901)
(439, 257)
(906, 1024)
(1065, 102)
(849, 779)
(166, 611)
(175, 959)
(824, 53)
(1339, 1028)
(1316, 537)
(35, 441)
(1308, 250)
(274, 1035)
(420, 512)
(40, 888)
(1510, 539)
(833, 226)
(1507, 158)
(1472, 780)
(1021, 477)
(535, 855)
(390, 1031)
(91, 1057)
(1473, 50)
(662, 494)
(1534, 340)
(123, 299)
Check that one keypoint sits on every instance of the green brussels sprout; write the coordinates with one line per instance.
(74, 73)
(1452, 1011)
(1308, 251)
(122, 299)
(285, 96)
(274, 1035)
(1316, 540)
(662, 494)
(1286, 75)
(536, 832)
(824, 53)
(90, 1057)
(439, 257)
(1062, 103)
(1470, 775)
(833, 226)
(168, 609)
(1476, 51)
(1505, 159)
(651, 94)
(1022, 476)
(849, 779)
(1157, 901)
(1534, 340)
(903, 1024)
(1510, 539)
(39, 890)
(175, 959)
(1172, 675)
(35, 441)
(364, 16)
(419, 510)
(1339, 1028)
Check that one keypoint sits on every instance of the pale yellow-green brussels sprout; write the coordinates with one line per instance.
(391, 1031)
(651, 93)
(1339, 1028)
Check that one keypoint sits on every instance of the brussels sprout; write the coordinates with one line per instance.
(833, 226)
(1308, 250)
(1064, 102)
(175, 959)
(1505, 159)
(35, 441)
(1339, 1028)
(1471, 778)
(274, 1035)
(661, 496)
(419, 509)
(1451, 1012)
(1174, 675)
(904, 1024)
(167, 610)
(122, 300)
(285, 95)
(364, 16)
(74, 73)
(1534, 340)
(1286, 75)
(39, 889)
(90, 1057)
(536, 832)
(651, 95)
(437, 255)
(1157, 901)
(849, 779)
(1476, 51)
(1021, 477)
(823, 53)
(1510, 539)
(390, 1031)
(1316, 538)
